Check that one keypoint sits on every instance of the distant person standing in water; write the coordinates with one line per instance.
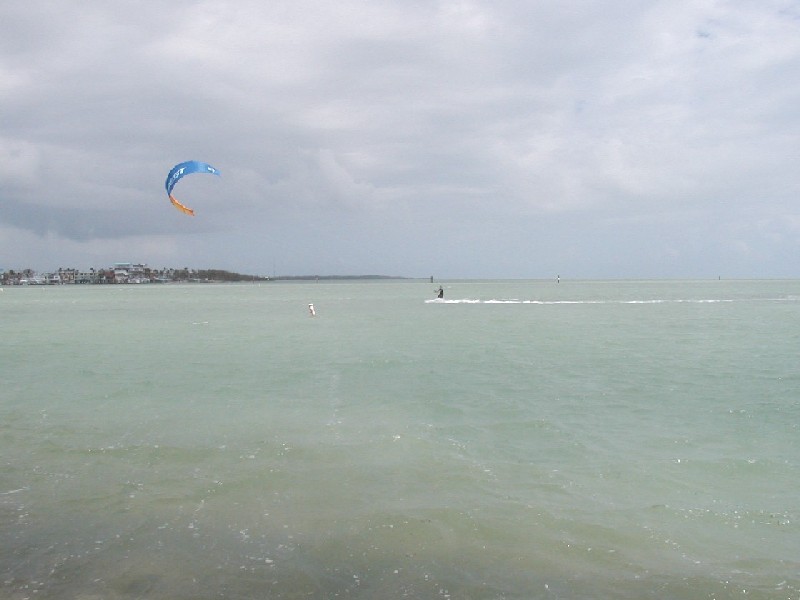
(440, 293)
(311, 311)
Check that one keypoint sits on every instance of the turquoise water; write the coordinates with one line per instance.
(520, 439)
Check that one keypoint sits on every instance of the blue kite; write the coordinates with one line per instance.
(179, 171)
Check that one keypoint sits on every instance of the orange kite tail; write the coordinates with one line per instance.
(184, 209)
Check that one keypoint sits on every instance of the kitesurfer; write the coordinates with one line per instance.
(311, 311)
(440, 293)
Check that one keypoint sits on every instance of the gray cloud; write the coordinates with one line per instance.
(462, 138)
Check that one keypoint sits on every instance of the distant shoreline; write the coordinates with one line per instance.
(129, 273)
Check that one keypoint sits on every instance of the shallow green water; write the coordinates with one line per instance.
(518, 440)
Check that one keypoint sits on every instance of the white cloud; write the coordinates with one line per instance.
(400, 115)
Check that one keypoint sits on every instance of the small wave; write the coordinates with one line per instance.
(578, 302)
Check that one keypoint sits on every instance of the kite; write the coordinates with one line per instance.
(179, 171)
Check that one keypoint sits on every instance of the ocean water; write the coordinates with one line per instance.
(519, 439)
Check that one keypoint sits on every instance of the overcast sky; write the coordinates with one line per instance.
(466, 138)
